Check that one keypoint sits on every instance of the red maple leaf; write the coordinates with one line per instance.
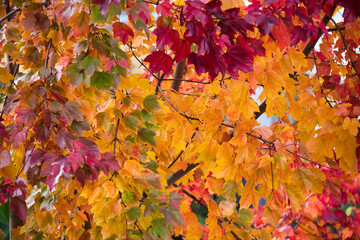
(122, 31)
(239, 58)
(159, 61)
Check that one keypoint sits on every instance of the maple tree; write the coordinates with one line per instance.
(149, 127)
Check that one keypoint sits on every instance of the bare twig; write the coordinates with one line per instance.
(9, 14)
(309, 160)
(115, 137)
(185, 80)
(182, 151)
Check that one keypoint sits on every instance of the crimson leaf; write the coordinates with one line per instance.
(159, 61)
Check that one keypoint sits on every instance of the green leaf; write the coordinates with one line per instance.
(81, 46)
(90, 65)
(150, 103)
(74, 75)
(100, 45)
(95, 16)
(101, 80)
(158, 225)
(145, 116)
(349, 210)
(134, 213)
(147, 135)
(4, 213)
(131, 122)
(128, 197)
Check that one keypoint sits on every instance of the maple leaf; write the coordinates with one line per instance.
(104, 5)
(122, 31)
(165, 36)
(101, 80)
(71, 111)
(164, 8)
(181, 47)
(159, 61)
(5, 76)
(80, 22)
(351, 11)
(59, 168)
(25, 115)
(239, 58)
(5, 158)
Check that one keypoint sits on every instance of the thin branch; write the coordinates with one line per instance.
(191, 196)
(9, 14)
(142, 64)
(326, 100)
(48, 53)
(46, 65)
(308, 48)
(115, 137)
(151, 2)
(270, 144)
(189, 118)
(182, 151)
(171, 104)
(309, 160)
(180, 173)
(335, 29)
(185, 80)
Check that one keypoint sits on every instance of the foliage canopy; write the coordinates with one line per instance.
(121, 119)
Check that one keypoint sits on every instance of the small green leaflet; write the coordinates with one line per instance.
(101, 80)
(131, 122)
(150, 103)
(134, 213)
(89, 65)
(147, 135)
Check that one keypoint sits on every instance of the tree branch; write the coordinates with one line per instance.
(180, 173)
(182, 151)
(9, 14)
(179, 71)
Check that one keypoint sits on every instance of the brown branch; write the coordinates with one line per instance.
(191, 196)
(9, 14)
(310, 46)
(309, 160)
(46, 65)
(335, 29)
(182, 151)
(179, 71)
(189, 118)
(180, 173)
(262, 108)
(115, 137)
(48, 53)
(185, 80)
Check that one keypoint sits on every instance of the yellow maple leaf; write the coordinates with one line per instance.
(194, 232)
(5, 76)
(227, 4)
